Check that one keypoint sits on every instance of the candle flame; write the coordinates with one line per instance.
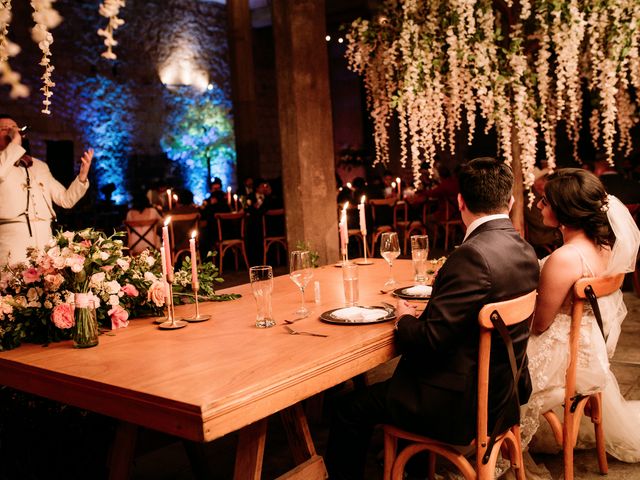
(167, 221)
(349, 185)
(229, 189)
(393, 184)
(363, 199)
(194, 233)
(398, 180)
(346, 205)
(168, 191)
(175, 197)
(235, 196)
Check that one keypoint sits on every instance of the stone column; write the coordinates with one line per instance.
(243, 88)
(306, 134)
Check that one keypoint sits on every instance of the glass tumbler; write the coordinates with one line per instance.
(261, 278)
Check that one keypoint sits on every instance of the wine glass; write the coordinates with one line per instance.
(301, 272)
(390, 250)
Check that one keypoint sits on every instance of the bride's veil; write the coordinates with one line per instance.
(622, 260)
(625, 250)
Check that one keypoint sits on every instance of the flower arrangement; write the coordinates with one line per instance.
(38, 297)
(519, 65)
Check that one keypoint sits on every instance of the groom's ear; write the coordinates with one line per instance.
(511, 202)
(461, 205)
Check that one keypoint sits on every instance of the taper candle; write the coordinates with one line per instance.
(399, 183)
(169, 198)
(229, 196)
(363, 219)
(194, 260)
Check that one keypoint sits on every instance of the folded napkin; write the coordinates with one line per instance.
(359, 314)
(418, 291)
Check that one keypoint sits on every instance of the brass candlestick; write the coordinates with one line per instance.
(198, 316)
(172, 323)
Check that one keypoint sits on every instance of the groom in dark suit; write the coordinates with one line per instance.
(433, 389)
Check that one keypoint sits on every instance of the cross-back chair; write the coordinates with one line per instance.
(487, 447)
(182, 224)
(273, 232)
(450, 220)
(142, 234)
(231, 236)
(576, 404)
(383, 218)
(406, 226)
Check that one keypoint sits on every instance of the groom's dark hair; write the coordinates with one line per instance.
(486, 185)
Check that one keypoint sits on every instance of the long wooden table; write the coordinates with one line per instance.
(212, 378)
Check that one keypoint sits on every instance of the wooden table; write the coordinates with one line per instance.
(212, 378)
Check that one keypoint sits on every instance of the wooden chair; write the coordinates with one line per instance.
(273, 232)
(143, 233)
(512, 312)
(450, 222)
(231, 236)
(382, 218)
(407, 227)
(575, 404)
(182, 224)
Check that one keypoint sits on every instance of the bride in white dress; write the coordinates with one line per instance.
(600, 238)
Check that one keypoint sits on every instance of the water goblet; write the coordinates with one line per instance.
(419, 254)
(301, 272)
(261, 278)
(390, 250)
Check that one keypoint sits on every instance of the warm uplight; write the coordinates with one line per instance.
(328, 38)
(181, 67)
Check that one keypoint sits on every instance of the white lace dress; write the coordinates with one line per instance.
(548, 357)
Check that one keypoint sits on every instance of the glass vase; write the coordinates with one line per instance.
(86, 331)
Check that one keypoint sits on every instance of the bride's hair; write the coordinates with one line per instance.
(579, 200)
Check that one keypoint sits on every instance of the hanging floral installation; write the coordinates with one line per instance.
(46, 17)
(521, 66)
(110, 10)
(9, 49)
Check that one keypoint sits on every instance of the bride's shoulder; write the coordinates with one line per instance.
(565, 259)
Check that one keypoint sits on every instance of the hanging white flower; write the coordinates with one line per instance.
(45, 17)
(9, 49)
(110, 10)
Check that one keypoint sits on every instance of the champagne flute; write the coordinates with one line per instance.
(301, 272)
(390, 250)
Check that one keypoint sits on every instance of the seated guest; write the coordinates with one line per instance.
(433, 389)
(445, 190)
(141, 210)
(543, 238)
(246, 188)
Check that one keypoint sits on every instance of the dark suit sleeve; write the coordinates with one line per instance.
(461, 286)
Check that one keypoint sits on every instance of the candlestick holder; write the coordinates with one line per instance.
(172, 322)
(198, 317)
(364, 247)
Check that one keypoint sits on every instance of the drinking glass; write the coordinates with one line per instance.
(350, 283)
(261, 278)
(390, 250)
(301, 272)
(419, 254)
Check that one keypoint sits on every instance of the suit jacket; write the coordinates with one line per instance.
(434, 388)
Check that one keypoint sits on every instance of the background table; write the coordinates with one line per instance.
(212, 378)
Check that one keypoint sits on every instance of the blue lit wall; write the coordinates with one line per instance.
(105, 123)
(199, 127)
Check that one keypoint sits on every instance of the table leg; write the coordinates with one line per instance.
(310, 466)
(250, 451)
(123, 450)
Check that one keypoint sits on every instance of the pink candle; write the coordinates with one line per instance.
(163, 259)
(229, 195)
(398, 183)
(363, 219)
(169, 198)
(194, 260)
(235, 202)
(344, 232)
(167, 249)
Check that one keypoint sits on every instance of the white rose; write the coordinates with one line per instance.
(114, 300)
(97, 278)
(112, 287)
(151, 261)
(123, 264)
(149, 277)
(104, 256)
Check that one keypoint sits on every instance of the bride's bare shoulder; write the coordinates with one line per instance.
(566, 260)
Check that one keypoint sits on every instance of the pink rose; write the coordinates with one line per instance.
(62, 316)
(31, 275)
(130, 290)
(107, 268)
(119, 317)
(157, 293)
(85, 243)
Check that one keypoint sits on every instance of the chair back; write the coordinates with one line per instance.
(143, 233)
(383, 212)
(182, 224)
(273, 223)
(512, 312)
(601, 287)
(230, 226)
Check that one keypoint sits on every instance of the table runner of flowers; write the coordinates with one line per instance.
(37, 296)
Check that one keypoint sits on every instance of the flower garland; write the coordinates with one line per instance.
(46, 18)
(433, 62)
(9, 49)
(110, 9)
